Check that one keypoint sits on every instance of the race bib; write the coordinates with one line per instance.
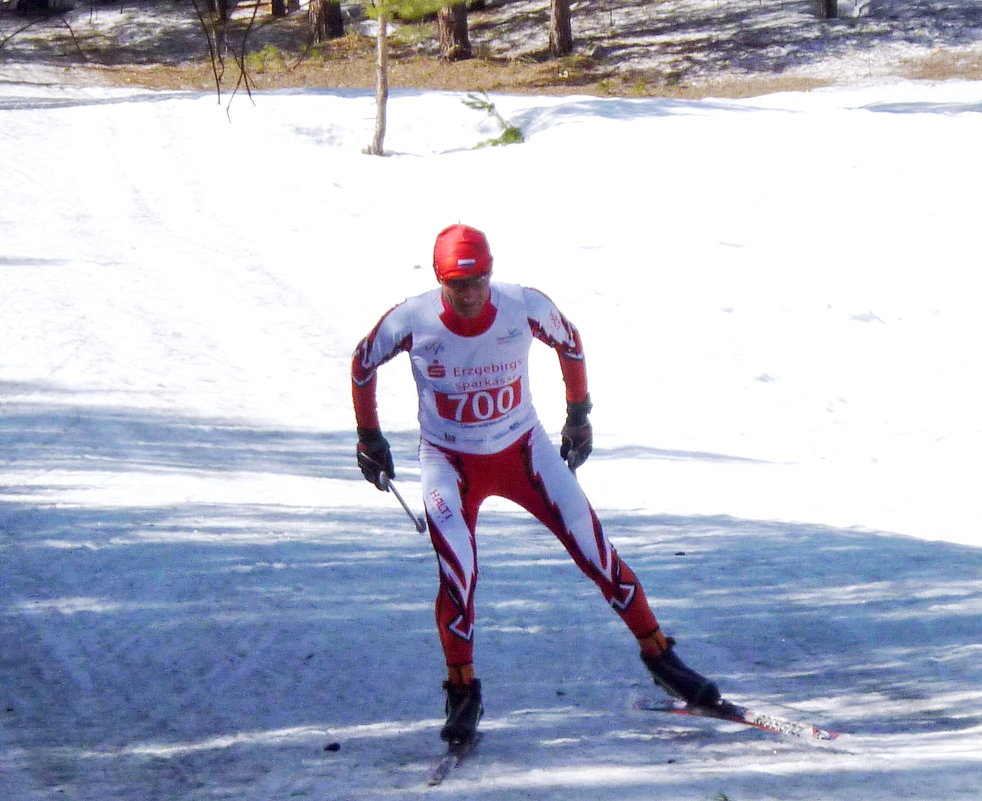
(481, 405)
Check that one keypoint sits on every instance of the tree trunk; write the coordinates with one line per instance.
(829, 9)
(335, 21)
(381, 81)
(278, 8)
(220, 9)
(560, 28)
(34, 8)
(452, 26)
(325, 20)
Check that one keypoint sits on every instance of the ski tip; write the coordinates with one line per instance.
(819, 733)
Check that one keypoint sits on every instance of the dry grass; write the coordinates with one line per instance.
(944, 64)
(349, 63)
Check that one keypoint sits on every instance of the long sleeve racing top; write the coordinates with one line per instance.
(471, 376)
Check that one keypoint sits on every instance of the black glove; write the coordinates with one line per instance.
(577, 434)
(374, 456)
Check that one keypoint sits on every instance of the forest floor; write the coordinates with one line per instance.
(677, 48)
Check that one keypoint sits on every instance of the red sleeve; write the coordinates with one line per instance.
(376, 349)
(574, 372)
(571, 360)
(363, 394)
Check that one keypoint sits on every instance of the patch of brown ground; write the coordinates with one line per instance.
(277, 59)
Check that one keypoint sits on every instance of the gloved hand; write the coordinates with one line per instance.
(374, 456)
(577, 442)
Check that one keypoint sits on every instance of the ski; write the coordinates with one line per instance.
(456, 753)
(740, 714)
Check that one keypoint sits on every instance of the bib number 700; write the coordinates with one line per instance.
(479, 406)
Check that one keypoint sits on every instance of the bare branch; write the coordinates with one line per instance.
(240, 59)
(211, 50)
(19, 30)
(78, 46)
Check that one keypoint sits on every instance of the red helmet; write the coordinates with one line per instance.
(460, 252)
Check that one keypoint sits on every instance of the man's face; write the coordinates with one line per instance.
(467, 296)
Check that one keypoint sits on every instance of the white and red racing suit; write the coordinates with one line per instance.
(480, 436)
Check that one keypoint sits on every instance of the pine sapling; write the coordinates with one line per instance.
(510, 134)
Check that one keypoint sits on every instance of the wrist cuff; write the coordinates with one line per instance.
(576, 413)
(368, 436)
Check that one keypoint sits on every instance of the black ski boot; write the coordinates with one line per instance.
(677, 679)
(464, 710)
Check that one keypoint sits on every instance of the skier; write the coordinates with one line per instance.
(468, 342)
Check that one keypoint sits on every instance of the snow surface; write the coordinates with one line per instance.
(198, 591)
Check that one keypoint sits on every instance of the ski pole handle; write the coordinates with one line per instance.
(417, 521)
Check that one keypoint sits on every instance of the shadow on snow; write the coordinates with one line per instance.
(165, 650)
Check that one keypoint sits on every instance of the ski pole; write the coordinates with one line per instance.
(417, 521)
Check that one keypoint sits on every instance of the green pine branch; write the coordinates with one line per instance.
(510, 134)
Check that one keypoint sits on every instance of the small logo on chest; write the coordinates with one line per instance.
(511, 336)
